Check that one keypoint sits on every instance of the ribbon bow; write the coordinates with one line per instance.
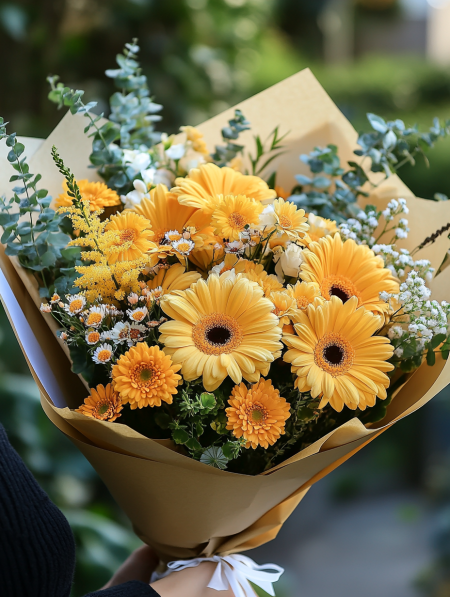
(233, 572)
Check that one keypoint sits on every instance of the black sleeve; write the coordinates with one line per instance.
(135, 588)
(37, 548)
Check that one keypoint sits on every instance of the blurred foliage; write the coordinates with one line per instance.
(200, 56)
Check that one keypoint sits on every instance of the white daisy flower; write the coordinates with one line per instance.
(172, 236)
(120, 332)
(95, 316)
(106, 336)
(155, 294)
(136, 333)
(75, 304)
(102, 354)
(92, 337)
(138, 314)
(183, 246)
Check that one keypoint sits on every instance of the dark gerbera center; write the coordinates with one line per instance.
(218, 336)
(334, 354)
(336, 291)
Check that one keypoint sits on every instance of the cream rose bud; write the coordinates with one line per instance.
(267, 218)
(289, 262)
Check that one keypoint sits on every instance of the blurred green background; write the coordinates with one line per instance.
(202, 56)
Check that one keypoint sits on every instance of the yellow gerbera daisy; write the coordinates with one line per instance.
(284, 306)
(172, 279)
(222, 326)
(145, 376)
(319, 227)
(167, 215)
(97, 193)
(345, 269)
(131, 228)
(290, 220)
(202, 187)
(257, 414)
(103, 404)
(233, 213)
(336, 356)
(303, 293)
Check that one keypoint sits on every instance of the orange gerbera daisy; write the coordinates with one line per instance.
(97, 193)
(233, 213)
(290, 220)
(130, 228)
(202, 187)
(168, 218)
(345, 269)
(145, 376)
(257, 414)
(103, 404)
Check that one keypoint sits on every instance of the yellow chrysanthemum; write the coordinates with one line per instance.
(196, 138)
(97, 193)
(233, 213)
(221, 326)
(131, 228)
(103, 404)
(345, 269)
(174, 278)
(256, 273)
(290, 220)
(202, 187)
(303, 293)
(283, 307)
(145, 376)
(257, 414)
(168, 216)
(336, 356)
(319, 227)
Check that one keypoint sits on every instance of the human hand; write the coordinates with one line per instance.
(138, 566)
(190, 582)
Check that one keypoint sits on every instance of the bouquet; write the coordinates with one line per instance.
(237, 322)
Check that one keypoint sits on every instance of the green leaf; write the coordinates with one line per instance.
(377, 123)
(180, 436)
(19, 148)
(431, 357)
(193, 444)
(48, 258)
(436, 340)
(208, 401)
(162, 419)
(71, 253)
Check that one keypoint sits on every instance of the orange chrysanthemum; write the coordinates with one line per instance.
(103, 404)
(145, 376)
(257, 414)
(97, 193)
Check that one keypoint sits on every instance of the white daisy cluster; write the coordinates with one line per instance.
(361, 228)
(421, 317)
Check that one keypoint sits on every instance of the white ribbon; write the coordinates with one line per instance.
(233, 572)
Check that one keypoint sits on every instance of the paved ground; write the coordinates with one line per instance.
(364, 548)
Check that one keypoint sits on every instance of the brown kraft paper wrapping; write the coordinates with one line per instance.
(182, 507)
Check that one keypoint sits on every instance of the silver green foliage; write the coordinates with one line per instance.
(332, 191)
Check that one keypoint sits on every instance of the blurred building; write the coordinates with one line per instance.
(354, 28)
